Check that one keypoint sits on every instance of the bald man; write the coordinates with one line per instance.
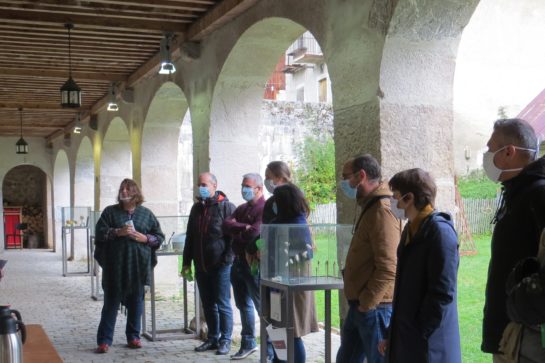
(209, 249)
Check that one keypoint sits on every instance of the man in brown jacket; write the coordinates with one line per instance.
(370, 267)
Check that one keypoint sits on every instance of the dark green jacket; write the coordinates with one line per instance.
(126, 264)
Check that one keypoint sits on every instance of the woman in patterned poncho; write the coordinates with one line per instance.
(127, 236)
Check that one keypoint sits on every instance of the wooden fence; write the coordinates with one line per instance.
(478, 214)
(324, 213)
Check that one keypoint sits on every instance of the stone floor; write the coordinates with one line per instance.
(34, 285)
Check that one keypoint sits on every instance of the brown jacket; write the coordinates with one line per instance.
(369, 273)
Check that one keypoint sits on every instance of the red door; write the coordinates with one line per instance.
(12, 217)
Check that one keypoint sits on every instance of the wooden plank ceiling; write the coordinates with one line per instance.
(112, 41)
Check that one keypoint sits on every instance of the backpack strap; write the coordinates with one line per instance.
(367, 207)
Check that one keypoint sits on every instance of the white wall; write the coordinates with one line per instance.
(500, 63)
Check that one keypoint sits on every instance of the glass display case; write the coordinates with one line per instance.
(297, 258)
(174, 228)
(156, 325)
(76, 216)
(295, 254)
(75, 235)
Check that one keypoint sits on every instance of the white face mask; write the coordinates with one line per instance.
(398, 212)
(491, 170)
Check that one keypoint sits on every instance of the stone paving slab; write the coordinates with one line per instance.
(34, 285)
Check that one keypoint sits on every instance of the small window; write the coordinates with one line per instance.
(301, 94)
(322, 90)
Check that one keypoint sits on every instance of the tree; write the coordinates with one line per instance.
(315, 170)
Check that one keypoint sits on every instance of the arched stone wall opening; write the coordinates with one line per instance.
(167, 153)
(237, 100)
(116, 161)
(499, 70)
(416, 83)
(84, 197)
(61, 193)
(84, 175)
(24, 192)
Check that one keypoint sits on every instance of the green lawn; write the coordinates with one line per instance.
(471, 284)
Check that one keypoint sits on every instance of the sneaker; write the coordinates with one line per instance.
(102, 348)
(243, 353)
(223, 348)
(134, 344)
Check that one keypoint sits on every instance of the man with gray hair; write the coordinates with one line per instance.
(511, 159)
(243, 226)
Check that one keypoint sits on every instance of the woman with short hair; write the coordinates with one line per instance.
(424, 323)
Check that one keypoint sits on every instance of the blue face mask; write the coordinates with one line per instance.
(275, 208)
(247, 193)
(204, 192)
(350, 192)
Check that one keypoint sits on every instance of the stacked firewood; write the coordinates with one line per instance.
(34, 218)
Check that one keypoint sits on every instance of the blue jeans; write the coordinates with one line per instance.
(361, 333)
(215, 291)
(246, 291)
(299, 352)
(135, 307)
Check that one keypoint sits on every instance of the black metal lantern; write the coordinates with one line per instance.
(21, 147)
(70, 91)
(167, 67)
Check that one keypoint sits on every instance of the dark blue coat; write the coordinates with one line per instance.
(424, 323)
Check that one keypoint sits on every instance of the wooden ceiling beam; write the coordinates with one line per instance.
(96, 20)
(13, 52)
(128, 8)
(39, 62)
(36, 39)
(83, 30)
(34, 106)
(102, 76)
(163, 4)
(219, 15)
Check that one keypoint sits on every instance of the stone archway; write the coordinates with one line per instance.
(416, 88)
(24, 191)
(116, 162)
(84, 175)
(61, 193)
(237, 101)
(167, 153)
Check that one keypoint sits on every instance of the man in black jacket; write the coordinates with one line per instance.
(210, 249)
(519, 220)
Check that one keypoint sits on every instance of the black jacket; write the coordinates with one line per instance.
(205, 242)
(519, 221)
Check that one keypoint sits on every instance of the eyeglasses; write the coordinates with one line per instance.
(347, 176)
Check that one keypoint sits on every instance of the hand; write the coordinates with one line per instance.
(124, 231)
(248, 226)
(382, 346)
(251, 258)
(138, 237)
(186, 273)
